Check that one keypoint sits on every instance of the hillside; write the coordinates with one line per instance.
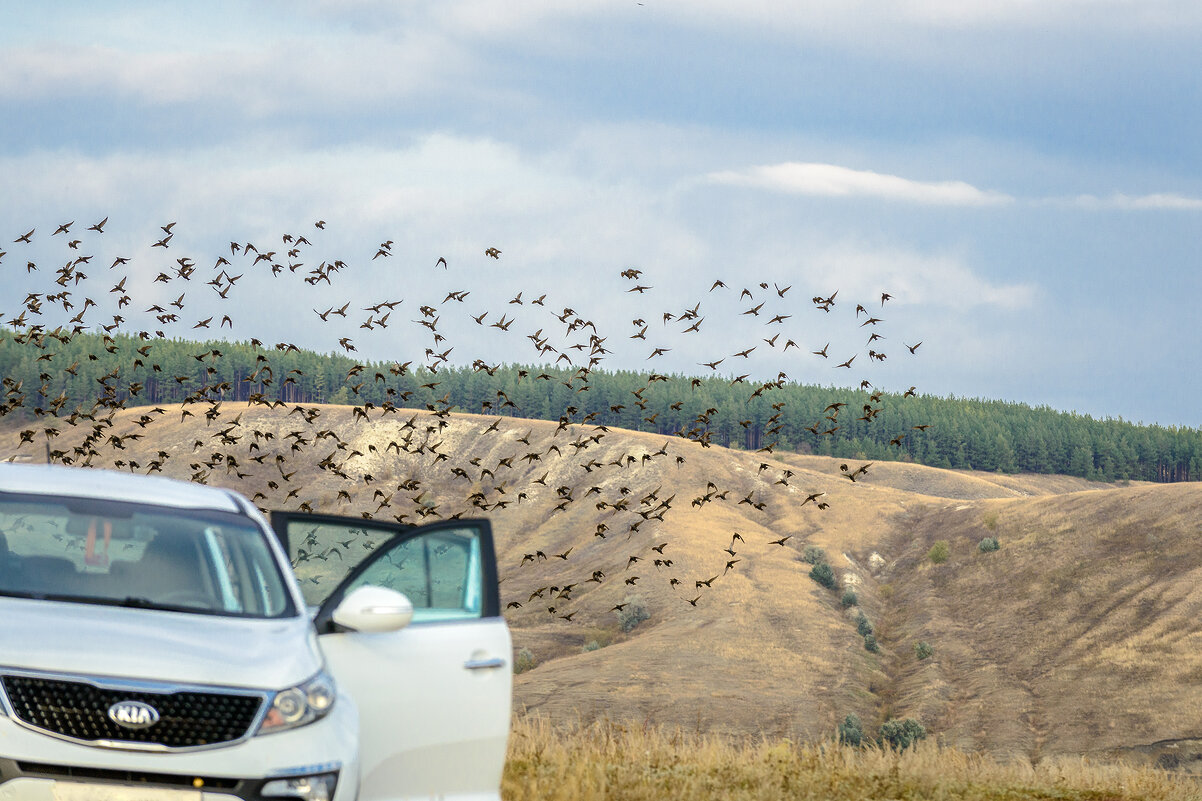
(1079, 635)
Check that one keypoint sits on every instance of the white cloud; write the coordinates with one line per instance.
(831, 180)
(382, 46)
(276, 76)
(1156, 201)
(818, 17)
(930, 280)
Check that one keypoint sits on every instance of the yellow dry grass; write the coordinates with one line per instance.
(605, 761)
(1076, 636)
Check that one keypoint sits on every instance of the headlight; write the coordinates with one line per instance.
(300, 705)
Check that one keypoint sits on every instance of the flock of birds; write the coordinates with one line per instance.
(602, 488)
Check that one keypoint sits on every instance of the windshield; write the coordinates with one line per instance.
(94, 551)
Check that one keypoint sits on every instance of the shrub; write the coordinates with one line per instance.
(939, 552)
(901, 734)
(634, 611)
(823, 574)
(990, 520)
(850, 731)
(863, 626)
(988, 545)
(849, 598)
(1168, 761)
(591, 645)
(922, 650)
(524, 661)
(870, 644)
(814, 555)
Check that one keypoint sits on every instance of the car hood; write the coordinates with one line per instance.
(148, 644)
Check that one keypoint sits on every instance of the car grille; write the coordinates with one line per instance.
(79, 710)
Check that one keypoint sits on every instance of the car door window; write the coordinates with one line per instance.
(445, 569)
(439, 572)
(325, 553)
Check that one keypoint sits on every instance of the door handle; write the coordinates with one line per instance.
(484, 664)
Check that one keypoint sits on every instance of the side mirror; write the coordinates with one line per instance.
(374, 609)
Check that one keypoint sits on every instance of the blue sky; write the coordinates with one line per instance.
(1023, 177)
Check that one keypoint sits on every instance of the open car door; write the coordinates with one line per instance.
(434, 696)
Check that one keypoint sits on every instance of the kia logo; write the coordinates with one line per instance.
(133, 714)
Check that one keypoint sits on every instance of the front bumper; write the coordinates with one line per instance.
(34, 782)
(34, 766)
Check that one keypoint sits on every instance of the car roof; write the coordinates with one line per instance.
(79, 482)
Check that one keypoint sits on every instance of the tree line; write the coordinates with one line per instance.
(49, 375)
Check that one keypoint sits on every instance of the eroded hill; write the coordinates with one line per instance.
(1080, 634)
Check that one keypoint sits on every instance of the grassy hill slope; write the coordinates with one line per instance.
(1079, 635)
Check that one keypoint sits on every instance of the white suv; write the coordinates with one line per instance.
(156, 642)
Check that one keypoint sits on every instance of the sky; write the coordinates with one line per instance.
(1023, 178)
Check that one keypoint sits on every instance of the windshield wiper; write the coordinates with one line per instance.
(141, 603)
(137, 602)
(132, 601)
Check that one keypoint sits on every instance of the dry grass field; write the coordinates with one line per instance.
(648, 763)
(1080, 636)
